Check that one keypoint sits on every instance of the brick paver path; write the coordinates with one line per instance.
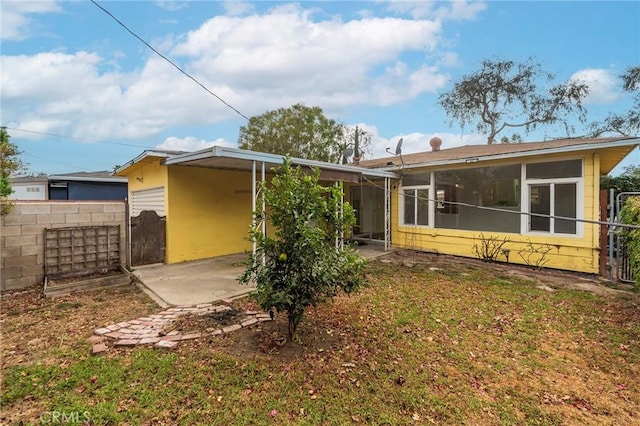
(150, 330)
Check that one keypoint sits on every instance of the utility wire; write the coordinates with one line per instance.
(57, 162)
(521, 213)
(75, 139)
(167, 59)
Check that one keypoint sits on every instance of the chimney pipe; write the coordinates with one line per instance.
(435, 143)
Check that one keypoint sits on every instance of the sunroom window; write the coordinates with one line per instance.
(415, 199)
(416, 206)
(459, 191)
(553, 195)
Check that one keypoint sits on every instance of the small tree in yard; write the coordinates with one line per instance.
(299, 266)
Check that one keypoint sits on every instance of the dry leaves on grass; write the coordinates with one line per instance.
(34, 326)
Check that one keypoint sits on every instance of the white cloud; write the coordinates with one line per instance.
(414, 142)
(190, 143)
(15, 22)
(238, 8)
(448, 59)
(603, 85)
(171, 6)
(255, 63)
(294, 60)
(464, 10)
(454, 10)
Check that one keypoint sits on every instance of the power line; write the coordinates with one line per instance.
(75, 139)
(519, 212)
(167, 59)
(57, 162)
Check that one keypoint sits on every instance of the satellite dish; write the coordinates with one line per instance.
(348, 152)
(399, 147)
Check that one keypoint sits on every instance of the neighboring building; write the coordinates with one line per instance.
(29, 188)
(540, 196)
(87, 186)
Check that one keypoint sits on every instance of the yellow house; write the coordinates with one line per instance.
(538, 202)
(202, 202)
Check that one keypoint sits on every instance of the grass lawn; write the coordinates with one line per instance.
(467, 343)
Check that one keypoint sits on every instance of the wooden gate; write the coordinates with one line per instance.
(148, 236)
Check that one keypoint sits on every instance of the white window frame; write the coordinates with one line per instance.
(430, 207)
(526, 199)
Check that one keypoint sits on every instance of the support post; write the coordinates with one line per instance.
(387, 214)
(603, 233)
(253, 203)
(342, 216)
(612, 218)
(263, 226)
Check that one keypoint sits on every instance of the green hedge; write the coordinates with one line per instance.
(630, 214)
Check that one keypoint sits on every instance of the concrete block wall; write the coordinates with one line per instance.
(22, 234)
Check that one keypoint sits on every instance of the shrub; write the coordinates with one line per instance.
(630, 214)
(300, 266)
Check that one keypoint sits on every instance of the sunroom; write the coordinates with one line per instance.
(538, 199)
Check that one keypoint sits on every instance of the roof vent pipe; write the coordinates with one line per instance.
(435, 143)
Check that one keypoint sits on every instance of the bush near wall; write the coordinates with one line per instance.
(630, 214)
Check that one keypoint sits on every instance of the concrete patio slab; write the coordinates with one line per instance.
(207, 280)
(200, 281)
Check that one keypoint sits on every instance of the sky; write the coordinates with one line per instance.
(80, 93)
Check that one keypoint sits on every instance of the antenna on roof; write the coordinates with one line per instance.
(398, 150)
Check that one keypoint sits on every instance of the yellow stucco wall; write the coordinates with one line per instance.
(210, 213)
(146, 175)
(568, 253)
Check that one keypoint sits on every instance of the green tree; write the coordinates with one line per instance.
(10, 163)
(630, 214)
(354, 143)
(506, 94)
(628, 123)
(300, 266)
(627, 181)
(515, 138)
(299, 131)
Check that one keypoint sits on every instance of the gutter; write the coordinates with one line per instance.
(145, 154)
(115, 179)
(241, 154)
(557, 150)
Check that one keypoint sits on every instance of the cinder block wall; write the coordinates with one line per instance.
(22, 234)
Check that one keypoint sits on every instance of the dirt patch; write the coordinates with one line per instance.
(79, 276)
(34, 327)
(546, 279)
(267, 340)
(208, 322)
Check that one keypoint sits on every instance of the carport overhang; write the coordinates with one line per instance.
(225, 158)
(220, 157)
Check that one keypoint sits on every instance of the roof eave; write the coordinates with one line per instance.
(262, 157)
(145, 154)
(631, 142)
(115, 179)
